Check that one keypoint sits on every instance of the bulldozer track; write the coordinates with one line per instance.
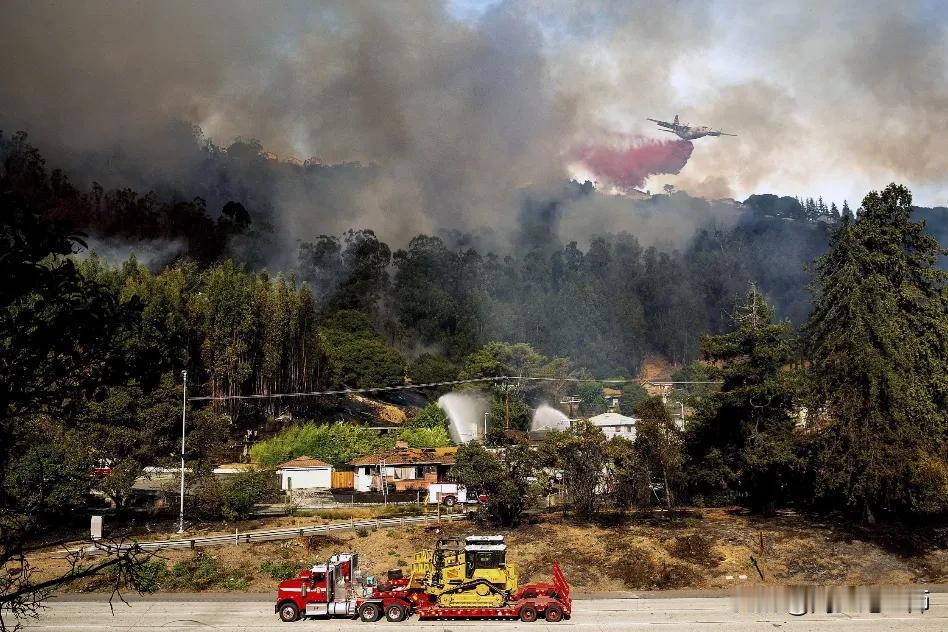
(473, 585)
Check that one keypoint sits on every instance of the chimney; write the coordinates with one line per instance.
(401, 444)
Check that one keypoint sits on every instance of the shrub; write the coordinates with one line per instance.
(279, 570)
(234, 583)
(245, 490)
(425, 437)
(401, 509)
(431, 416)
(207, 497)
(151, 575)
(199, 572)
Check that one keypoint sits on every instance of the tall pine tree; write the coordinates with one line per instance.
(878, 342)
(847, 212)
(741, 443)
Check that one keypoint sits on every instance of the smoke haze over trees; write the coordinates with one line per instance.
(605, 304)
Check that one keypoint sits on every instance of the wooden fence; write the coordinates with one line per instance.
(343, 480)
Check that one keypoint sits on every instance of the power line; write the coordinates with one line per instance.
(345, 391)
(403, 387)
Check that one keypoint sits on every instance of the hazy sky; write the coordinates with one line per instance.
(469, 100)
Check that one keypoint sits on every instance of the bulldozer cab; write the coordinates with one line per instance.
(484, 553)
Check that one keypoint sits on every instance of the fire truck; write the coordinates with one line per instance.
(457, 579)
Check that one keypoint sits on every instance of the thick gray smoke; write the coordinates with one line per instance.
(459, 116)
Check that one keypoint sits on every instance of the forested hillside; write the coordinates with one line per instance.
(604, 303)
(93, 348)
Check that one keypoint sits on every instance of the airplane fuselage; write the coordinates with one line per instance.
(688, 132)
(691, 133)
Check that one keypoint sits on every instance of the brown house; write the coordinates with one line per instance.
(405, 468)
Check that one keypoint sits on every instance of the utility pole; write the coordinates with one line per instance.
(184, 416)
(506, 388)
(506, 409)
(384, 483)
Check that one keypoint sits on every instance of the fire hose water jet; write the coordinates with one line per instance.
(465, 413)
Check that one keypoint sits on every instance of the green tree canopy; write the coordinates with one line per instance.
(658, 444)
(357, 356)
(504, 477)
(632, 394)
(336, 443)
(580, 453)
(431, 416)
(429, 368)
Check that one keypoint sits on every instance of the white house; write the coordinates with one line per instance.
(615, 425)
(408, 469)
(305, 472)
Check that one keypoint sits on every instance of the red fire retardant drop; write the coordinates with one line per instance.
(629, 166)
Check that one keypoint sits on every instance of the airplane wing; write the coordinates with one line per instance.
(662, 123)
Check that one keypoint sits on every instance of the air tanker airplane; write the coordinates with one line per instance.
(688, 132)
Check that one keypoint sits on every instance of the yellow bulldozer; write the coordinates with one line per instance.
(469, 573)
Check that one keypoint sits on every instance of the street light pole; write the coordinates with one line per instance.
(184, 415)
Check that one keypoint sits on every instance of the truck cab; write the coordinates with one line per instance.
(330, 589)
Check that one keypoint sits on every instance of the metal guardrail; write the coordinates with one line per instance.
(269, 535)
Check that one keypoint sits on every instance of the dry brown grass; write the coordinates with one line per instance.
(694, 548)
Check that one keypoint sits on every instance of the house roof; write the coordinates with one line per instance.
(303, 462)
(409, 456)
(612, 419)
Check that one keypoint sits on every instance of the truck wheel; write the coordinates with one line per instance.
(554, 613)
(289, 612)
(528, 614)
(370, 612)
(395, 613)
(450, 501)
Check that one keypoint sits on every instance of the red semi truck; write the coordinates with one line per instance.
(337, 589)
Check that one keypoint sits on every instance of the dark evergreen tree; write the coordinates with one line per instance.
(741, 442)
(878, 342)
(847, 212)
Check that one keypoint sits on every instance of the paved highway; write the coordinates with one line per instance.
(254, 612)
